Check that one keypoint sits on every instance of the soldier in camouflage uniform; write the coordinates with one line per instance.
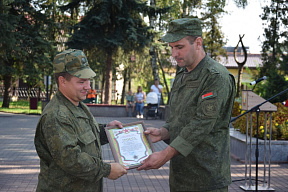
(68, 139)
(201, 103)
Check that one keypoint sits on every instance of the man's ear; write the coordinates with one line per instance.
(199, 42)
(62, 81)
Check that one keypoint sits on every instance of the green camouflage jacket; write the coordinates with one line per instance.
(68, 141)
(198, 124)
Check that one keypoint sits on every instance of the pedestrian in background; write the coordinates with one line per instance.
(91, 96)
(157, 88)
(197, 129)
(130, 103)
(140, 98)
(68, 139)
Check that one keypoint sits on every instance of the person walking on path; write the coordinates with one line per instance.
(68, 139)
(197, 129)
(140, 98)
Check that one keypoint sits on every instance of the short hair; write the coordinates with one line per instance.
(191, 39)
(66, 76)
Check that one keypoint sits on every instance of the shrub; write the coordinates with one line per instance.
(279, 122)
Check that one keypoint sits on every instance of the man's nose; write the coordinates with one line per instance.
(174, 53)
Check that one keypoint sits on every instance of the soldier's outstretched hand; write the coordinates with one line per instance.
(157, 134)
(154, 134)
(158, 159)
(115, 123)
(117, 170)
(154, 161)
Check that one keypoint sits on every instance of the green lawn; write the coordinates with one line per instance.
(21, 107)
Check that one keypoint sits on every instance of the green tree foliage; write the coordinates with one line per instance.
(274, 50)
(22, 43)
(274, 84)
(241, 3)
(8, 24)
(109, 33)
(109, 25)
(213, 36)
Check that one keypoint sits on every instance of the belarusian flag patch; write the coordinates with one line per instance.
(207, 95)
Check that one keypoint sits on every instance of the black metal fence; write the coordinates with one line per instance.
(25, 93)
(41, 94)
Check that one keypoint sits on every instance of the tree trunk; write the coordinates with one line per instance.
(102, 88)
(152, 49)
(7, 88)
(163, 72)
(124, 85)
(108, 84)
(185, 9)
(154, 63)
(51, 91)
(129, 78)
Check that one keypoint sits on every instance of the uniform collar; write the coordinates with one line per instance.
(194, 74)
(77, 111)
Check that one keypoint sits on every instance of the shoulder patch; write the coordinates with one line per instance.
(209, 108)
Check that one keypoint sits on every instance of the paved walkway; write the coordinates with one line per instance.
(19, 163)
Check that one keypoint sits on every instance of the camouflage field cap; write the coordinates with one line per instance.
(74, 62)
(180, 28)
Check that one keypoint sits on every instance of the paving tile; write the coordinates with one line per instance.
(19, 163)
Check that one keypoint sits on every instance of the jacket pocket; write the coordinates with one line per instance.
(87, 138)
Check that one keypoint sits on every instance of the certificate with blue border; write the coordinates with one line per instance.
(129, 145)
